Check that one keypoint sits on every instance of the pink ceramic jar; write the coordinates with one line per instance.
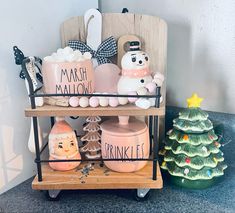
(123, 140)
(68, 77)
(63, 145)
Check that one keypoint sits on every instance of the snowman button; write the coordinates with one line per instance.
(142, 80)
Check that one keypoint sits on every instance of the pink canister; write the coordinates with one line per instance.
(124, 139)
(68, 77)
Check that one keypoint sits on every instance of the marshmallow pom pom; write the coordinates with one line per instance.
(49, 58)
(67, 55)
(142, 91)
(153, 100)
(143, 103)
(60, 52)
(103, 101)
(83, 102)
(74, 101)
(122, 100)
(87, 55)
(158, 79)
(94, 102)
(70, 58)
(151, 87)
(113, 102)
(132, 100)
(39, 101)
(67, 51)
(78, 55)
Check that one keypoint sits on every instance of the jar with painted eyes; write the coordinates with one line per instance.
(63, 145)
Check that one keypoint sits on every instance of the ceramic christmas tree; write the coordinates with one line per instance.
(92, 147)
(192, 153)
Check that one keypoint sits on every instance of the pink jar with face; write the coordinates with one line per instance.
(68, 77)
(63, 145)
(124, 139)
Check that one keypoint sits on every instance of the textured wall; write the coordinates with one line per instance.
(34, 27)
(201, 48)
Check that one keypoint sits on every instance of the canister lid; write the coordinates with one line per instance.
(118, 128)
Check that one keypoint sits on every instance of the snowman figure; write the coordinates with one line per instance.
(136, 77)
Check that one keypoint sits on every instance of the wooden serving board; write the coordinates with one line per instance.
(99, 178)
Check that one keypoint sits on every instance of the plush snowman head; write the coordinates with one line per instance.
(135, 59)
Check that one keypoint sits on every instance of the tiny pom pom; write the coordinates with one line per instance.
(122, 100)
(151, 87)
(39, 101)
(87, 55)
(94, 102)
(83, 102)
(113, 102)
(143, 103)
(142, 91)
(104, 101)
(74, 101)
(132, 100)
(158, 79)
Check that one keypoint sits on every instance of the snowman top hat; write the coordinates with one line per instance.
(134, 46)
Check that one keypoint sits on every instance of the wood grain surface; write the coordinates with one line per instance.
(99, 178)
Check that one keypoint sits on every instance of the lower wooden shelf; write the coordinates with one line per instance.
(99, 178)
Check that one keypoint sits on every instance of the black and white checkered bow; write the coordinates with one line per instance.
(106, 49)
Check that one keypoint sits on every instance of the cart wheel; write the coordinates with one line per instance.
(53, 195)
(141, 194)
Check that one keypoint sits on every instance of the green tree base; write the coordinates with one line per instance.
(193, 184)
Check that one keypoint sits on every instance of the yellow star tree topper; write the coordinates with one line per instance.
(194, 101)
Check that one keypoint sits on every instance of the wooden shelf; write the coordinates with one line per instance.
(131, 110)
(99, 178)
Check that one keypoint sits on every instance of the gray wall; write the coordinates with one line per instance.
(201, 48)
(34, 27)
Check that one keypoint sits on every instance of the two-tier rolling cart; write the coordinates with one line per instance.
(153, 31)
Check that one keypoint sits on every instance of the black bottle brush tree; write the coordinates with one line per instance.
(192, 154)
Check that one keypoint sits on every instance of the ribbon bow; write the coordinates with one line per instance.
(106, 49)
